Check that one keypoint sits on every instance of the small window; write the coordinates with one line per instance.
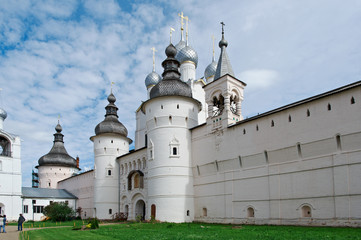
(110, 211)
(338, 142)
(244, 131)
(299, 150)
(329, 107)
(34, 201)
(109, 172)
(272, 123)
(175, 151)
(187, 212)
(352, 100)
(49, 184)
(161, 106)
(111, 141)
(256, 127)
(177, 106)
(250, 212)
(26, 208)
(170, 119)
(289, 118)
(67, 202)
(266, 156)
(205, 213)
(306, 212)
(308, 113)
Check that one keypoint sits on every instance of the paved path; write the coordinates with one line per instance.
(11, 233)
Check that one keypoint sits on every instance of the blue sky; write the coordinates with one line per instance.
(59, 57)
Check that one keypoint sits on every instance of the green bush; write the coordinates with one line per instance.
(94, 223)
(59, 211)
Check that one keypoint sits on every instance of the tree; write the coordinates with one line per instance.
(59, 211)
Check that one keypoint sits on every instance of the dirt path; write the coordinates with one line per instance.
(11, 233)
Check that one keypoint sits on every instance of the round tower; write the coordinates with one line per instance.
(170, 113)
(110, 141)
(57, 164)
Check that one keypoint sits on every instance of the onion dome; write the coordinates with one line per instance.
(111, 123)
(187, 54)
(3, 114)
(210, 70)
(152, 79)
(58, 156)
(171, 85)
(224, 65)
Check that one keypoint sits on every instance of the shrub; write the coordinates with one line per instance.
(93, 223)
(58, 211)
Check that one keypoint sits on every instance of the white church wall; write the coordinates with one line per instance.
(82, 186)
(140, 131)
(297, 160)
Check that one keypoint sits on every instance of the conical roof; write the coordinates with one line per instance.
(224, 64)
(58, 156)
(171, 85)
(111, 123)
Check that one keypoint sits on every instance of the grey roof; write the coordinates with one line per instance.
(58, 156)
(152, 79)
(224, 65)
(3, 114)
(28, 192)
(179, 47)
(171, 85)
(111, 123)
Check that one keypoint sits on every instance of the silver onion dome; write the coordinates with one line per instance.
(187, 54)
(210, 70)
(179, 46)
(111, 123)
(152, 79)
(3, 114)
(58, 156)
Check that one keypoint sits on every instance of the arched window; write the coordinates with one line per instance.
(308, 113)
(352, 100)
(306, 211)
(289, 118)
(5, 145)
(218, 105)
(272, 123)
(135, 180)
(250, 212)
(233, 104)
(329, 107)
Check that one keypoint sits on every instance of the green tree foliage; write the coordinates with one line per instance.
(59, 211)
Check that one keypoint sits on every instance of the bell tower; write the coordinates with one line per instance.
(224, 95)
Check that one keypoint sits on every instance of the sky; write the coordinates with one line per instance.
(58, 58)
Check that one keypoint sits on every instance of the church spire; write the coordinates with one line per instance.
(224, 65)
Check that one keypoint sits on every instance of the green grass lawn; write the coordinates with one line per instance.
(172, 231)
(32, 224)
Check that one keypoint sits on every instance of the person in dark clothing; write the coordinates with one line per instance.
(4, 224)
(21, 220)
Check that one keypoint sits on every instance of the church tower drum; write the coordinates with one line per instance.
(170, 113)
(110, 141)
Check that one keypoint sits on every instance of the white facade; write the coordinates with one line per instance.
(33, 207)
(10, 175)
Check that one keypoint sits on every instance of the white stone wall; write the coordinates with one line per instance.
(49, 176)
(82, 186)
(106, 190)
(31, 202)
(297, 161)
(10, 179)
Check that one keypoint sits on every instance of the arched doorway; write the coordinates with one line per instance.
(152, 211)
(140, 210)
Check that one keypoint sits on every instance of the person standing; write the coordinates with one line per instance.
(21, 220)
(2, 223)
